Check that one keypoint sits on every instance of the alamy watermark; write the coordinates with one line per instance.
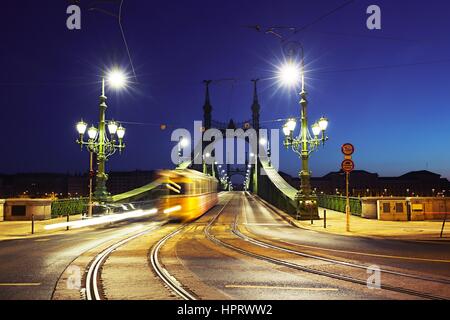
(374, 19)
(74, 279)
(73, 21)
(241, 146)
(374, 279)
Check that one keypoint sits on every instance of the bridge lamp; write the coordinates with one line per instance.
(289, 74)
(81, 127)
(291, 124)
(99, 142)
(263, 141)
(112, 127)
(316, 129)
(323, 123)
(92, 133)
(286, 130)
(120, 133)
(117, 79)
(184, 142)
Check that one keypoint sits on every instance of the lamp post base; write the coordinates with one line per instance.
(307, 208)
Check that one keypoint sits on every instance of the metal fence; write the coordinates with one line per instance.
(337, 203)
(66, 207)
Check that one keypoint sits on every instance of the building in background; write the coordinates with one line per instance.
(362, 184)
(42, 185)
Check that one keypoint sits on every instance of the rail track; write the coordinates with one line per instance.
(291, 265)
(163, 274)
(93, 287)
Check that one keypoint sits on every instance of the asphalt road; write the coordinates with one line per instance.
(30, 268)
(192, 255)
(409, 256)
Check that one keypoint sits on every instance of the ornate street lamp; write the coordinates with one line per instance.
(182, 143)
(99, 142)
(290, 74)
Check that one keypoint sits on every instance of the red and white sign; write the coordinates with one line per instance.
(348, 165)
(348, 149)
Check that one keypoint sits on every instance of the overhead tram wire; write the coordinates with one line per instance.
(119, 19)
(322, 17)
(295, 30)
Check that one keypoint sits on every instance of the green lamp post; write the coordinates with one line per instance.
(99, 142)
(304, 143)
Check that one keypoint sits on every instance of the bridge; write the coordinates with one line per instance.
(187, 235)
(262, 178)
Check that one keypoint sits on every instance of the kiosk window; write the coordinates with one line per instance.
(18, 211)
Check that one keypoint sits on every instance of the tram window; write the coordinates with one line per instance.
(182, 189)
(399, 207)
(386, 207)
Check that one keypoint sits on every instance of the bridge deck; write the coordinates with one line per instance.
(281, 184)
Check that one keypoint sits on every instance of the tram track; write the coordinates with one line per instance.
(246, 240)
(170, 281)
(269, 245)
(93, 286)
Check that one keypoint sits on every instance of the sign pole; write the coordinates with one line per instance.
(347, 206)
(347, 166)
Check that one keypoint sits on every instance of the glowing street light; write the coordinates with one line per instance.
(291, 74)
(117, 79)
(99, 142)
(182, 143)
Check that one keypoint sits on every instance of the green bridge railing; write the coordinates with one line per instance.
(64, 207)
(337, 203)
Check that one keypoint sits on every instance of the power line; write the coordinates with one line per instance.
(119, 19)
(392, 66)
(322, 17)
(125, 40)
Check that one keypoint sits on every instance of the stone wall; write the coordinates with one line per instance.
(25, 209)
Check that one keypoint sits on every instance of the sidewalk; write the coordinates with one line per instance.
(360, 227)
(22, 229)
(401, 230)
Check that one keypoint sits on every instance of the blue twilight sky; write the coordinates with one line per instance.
(386, 91)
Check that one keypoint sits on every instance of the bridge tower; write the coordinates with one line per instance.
(254, 123)
(207, 107)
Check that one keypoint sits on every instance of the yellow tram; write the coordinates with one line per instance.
(189, 194)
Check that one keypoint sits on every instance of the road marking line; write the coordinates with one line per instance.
(23, 284)
(278, 288)
(41, 240)
(368, 254)
(265, 224)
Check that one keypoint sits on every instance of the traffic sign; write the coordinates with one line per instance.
(348, 165)
(348, 149)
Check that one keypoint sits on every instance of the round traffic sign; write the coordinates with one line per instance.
(348, 165)
(348, 149)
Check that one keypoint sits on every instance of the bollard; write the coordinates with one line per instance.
(325, 219)
(67, 228)
(32, 224)
(443, 225)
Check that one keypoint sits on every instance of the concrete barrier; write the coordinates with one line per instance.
(24, 209)
(369, 208)
(392, 209)
(2, 203)
(429, 208)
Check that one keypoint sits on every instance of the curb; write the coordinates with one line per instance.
(294, 223)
